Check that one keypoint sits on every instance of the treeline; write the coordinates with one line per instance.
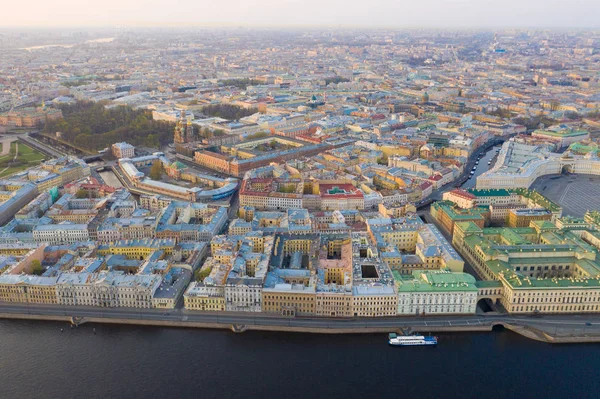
(336, 79)
(228, 111)
(532, 123)
(240, 83)
(93, 127)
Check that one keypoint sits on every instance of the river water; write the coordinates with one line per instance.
(40, 361)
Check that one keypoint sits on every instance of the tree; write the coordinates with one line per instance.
(572, 115)
(91, 126)
(81, 193)
(36, 267)
(156, 170)
(336, 79)
(228, 111)
(257, 135)
(240, 83)
(201, 274)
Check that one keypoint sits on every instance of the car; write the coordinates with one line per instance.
(587, 323)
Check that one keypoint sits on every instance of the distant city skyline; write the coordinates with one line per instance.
(384, 13)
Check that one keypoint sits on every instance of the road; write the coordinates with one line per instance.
(6, 140)
(565, 324)
(41, 146)
(487, 153)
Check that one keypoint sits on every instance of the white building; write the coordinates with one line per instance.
(123, 150)
(64, 233)
(436, 292)
(519, 165)
(107, 289)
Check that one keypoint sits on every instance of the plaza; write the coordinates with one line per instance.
(575, 193)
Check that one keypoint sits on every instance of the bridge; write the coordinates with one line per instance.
(92, 158)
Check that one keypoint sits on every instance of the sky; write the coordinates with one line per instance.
(373, 13)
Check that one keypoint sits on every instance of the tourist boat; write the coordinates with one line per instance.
(411, 340)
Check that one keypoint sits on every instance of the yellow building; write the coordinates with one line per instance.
(205, 302)
(289, 300)
(375, 305)
(137, 249)
(333, 304)
(46, 184)
(542, 269)
(28, 289)
(522, 217)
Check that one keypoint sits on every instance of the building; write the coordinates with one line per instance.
(447, 215)
(63, 233)
(29, 117)
(542, 269)
(519, 165)
(123, 150)
(523, 217)
(436, 292)
(14, 195)
(561, 135)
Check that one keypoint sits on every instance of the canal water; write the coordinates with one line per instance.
(482, 167)
(110, 178)
(40, 361)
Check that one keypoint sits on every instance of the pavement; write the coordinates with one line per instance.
(6, 140)
(575, 193)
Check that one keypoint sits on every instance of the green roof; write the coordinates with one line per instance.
(502, 192)
(434, 281)
(544, 225)
(456, 213)
(469, 227)
(490, 192)
(488, 284)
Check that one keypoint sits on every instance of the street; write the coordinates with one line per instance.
(561, 325)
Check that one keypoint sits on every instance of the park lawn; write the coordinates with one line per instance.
(27, 153)
(11, 170)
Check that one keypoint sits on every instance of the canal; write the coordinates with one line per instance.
(482, 167)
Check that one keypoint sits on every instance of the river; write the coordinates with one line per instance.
(40, 361)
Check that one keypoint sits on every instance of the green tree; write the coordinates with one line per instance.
(228, 111)
(156, 170)
(36, 267)
(81, 193)
(93, 127)
(201, 274)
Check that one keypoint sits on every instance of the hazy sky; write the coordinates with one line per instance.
(386, 13)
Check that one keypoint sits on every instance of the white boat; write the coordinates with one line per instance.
(411, 340)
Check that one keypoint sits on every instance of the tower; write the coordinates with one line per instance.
(189, 131)
(180, 129)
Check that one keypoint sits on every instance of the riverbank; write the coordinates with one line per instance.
(559, 329)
